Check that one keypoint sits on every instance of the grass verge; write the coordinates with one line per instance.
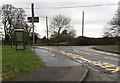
(0, 63)
(15, 62)
(112, 47)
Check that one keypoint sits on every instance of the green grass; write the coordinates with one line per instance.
(15, 63)
(112, 47)
(0, 63)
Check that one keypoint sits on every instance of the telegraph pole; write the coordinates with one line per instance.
(82, 23)
(32, 7)
(47, 30)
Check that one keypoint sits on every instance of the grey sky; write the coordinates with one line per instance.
(95, 17)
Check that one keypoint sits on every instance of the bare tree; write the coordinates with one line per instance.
(58, 24)
(113, 28)
(12, 18)
(8, 13)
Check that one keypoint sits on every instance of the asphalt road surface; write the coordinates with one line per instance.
(94, 60)
(57, 68)
(55, 58)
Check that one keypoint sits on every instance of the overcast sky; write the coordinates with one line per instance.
(96, 18)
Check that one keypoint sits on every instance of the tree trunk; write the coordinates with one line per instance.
(58, 38)
(7, 39)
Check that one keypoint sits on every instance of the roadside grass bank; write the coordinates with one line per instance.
(112, 47)
(15, 63)
(108, 48)
(0, 63)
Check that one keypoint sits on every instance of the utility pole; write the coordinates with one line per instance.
(32, 7)
(47, 30)
(82, 23)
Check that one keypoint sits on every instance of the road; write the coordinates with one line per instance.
(57, 68)
(102, 62)
(53, 58)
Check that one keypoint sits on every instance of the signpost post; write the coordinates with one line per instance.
(32, 5)
(32, 20)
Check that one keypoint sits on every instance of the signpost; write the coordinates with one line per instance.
(33, 20)
(32, 7)
(36, 19)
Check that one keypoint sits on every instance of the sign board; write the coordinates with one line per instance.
(36, 19)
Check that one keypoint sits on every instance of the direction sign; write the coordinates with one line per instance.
(36, 19)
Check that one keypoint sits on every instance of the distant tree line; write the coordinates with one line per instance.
(95, 41)
(81, 41)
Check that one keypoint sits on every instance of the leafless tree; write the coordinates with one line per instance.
(113, 28)
(8, 14)
(58, 24)
(12, 18)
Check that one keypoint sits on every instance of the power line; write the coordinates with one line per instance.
(44, 17)
(73, 6)
(78, 6)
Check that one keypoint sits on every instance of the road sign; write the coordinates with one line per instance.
(36, 19)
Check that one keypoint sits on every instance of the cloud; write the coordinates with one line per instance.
(95, 17)
(60, 1)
